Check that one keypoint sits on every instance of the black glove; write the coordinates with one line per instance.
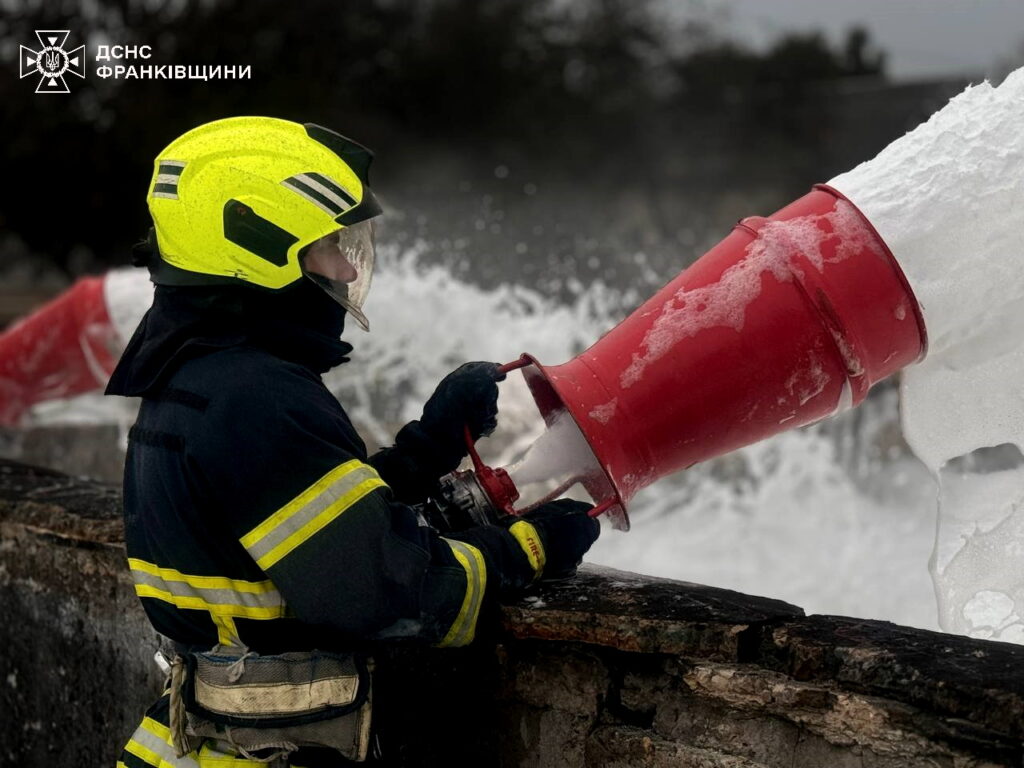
(566, 532)
(466, 396)
(435, 444)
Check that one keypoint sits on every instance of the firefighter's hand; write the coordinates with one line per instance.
(466, 396)
(565, 531)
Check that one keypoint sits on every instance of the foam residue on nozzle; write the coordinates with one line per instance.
(779, 250)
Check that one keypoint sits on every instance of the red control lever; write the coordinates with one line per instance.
(496, 483)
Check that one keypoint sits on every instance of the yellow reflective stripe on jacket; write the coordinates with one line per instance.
(310, 511)
(152, 742)
(218, 595)
(211, 757)
(463, 630)
(526, 534)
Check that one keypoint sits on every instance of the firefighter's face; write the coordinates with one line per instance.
(342, 264)
(327, 259)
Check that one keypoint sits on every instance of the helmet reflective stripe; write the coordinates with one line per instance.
(334, 186)
(166, 182)
(322, 191)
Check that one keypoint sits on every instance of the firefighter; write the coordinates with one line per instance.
(256, 525)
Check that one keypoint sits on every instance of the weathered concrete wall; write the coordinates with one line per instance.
(76, 669)
(607, 670)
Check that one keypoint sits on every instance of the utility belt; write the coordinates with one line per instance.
(267, 707)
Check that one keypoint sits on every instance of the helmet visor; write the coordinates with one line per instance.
(342, 264)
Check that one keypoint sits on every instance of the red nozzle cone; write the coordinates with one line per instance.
(62, 349)
(786, 321)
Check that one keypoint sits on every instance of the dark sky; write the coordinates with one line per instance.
(924, 38)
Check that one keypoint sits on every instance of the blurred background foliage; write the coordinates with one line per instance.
(554, 137)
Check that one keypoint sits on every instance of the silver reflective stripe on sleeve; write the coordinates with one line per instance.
(310, 512)
(463, 629)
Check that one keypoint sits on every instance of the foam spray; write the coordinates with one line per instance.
(948, 199)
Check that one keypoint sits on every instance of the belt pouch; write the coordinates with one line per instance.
(268, 706)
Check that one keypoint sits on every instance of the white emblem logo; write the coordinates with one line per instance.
(51, 61)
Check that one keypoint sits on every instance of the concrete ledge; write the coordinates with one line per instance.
(642, 614)
(608, 669)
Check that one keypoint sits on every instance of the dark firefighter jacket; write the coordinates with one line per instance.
(254, 516)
